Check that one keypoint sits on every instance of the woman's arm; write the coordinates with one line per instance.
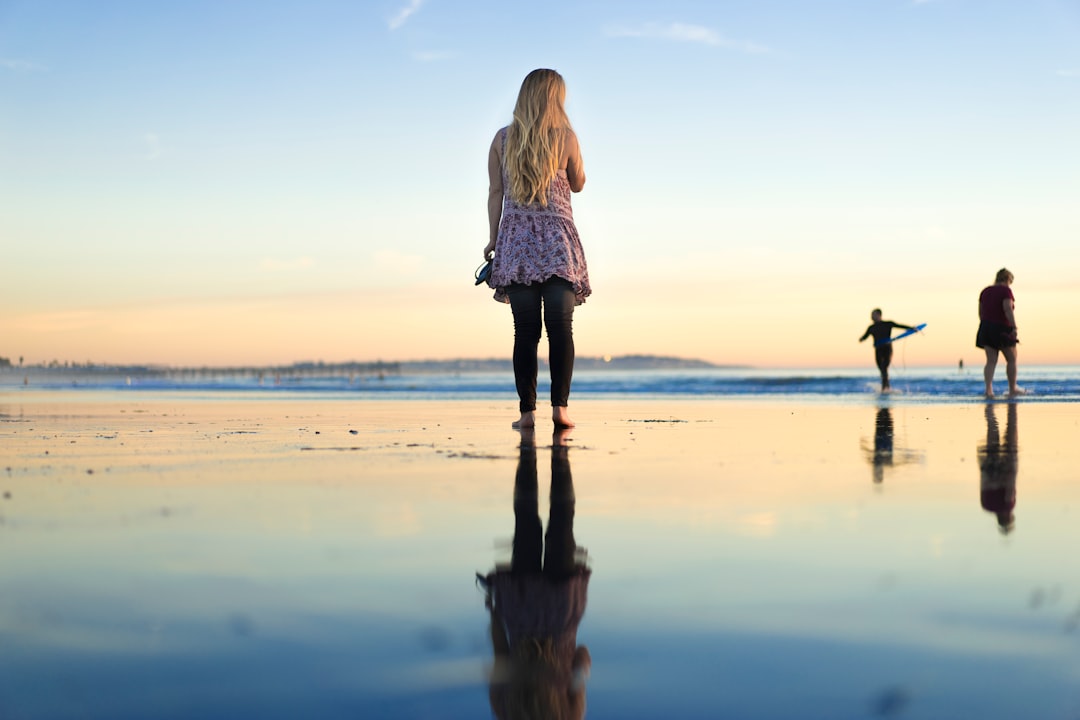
(495, 192)
(581, 664)
(582, 667)
(1007, 306)
(575, 168)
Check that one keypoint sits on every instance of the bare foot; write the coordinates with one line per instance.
(1017, 392)
(561, 417)
(528, 420)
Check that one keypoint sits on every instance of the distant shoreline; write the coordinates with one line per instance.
(355, 368)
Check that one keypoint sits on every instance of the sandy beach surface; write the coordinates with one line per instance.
(225, 556)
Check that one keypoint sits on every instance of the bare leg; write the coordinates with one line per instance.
(1010, 371)
(561, 417)
(988, 370)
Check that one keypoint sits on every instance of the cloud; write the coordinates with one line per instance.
(152, 144)
(404, 14)
(21, 65)
(685, 33)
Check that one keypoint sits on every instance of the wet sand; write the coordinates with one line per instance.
(179, 556)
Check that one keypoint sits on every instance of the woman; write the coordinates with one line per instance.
(533, 166)
(997, 331)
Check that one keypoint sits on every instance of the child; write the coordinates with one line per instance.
(882, 332)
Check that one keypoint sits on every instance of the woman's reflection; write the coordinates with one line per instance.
(537, 601)
(998, 465)
(882, 454)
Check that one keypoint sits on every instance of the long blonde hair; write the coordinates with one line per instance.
(535, 138)
(535, 684)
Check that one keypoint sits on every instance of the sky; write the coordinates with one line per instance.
(251, 182)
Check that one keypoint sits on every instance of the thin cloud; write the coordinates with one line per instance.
(404, 14)
(686, 33)
(21, 65)
(152, 144)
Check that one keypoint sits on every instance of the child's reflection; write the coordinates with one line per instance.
(998, 465)
(882, 455)
(538, 601)
(883, 443)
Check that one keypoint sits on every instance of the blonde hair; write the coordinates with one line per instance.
(536, 685)
(535, 138)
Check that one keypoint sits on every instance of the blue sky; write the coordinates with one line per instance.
(219, 182)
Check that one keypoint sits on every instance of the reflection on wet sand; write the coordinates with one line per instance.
(883, 455)
(537, 600)
(998, 466)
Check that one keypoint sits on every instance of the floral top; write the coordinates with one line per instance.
(536, 243)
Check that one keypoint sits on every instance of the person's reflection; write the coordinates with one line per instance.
(998, 465)
(883, 454)
(883, 443)
(537, 602)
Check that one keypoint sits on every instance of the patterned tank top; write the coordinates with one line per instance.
(537, 242)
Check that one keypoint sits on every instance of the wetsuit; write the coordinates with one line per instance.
(882, 332)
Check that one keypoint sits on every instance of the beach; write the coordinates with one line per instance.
(210, 555)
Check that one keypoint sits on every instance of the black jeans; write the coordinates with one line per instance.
(557, 297)
(554, 555)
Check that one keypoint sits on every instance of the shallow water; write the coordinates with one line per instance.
(1048, 383)
(176, 558)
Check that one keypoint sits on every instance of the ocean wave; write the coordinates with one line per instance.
(1057, 383)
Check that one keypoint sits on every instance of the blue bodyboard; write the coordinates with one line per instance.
(912, 331)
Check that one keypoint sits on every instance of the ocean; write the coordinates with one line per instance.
(1059, 383)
